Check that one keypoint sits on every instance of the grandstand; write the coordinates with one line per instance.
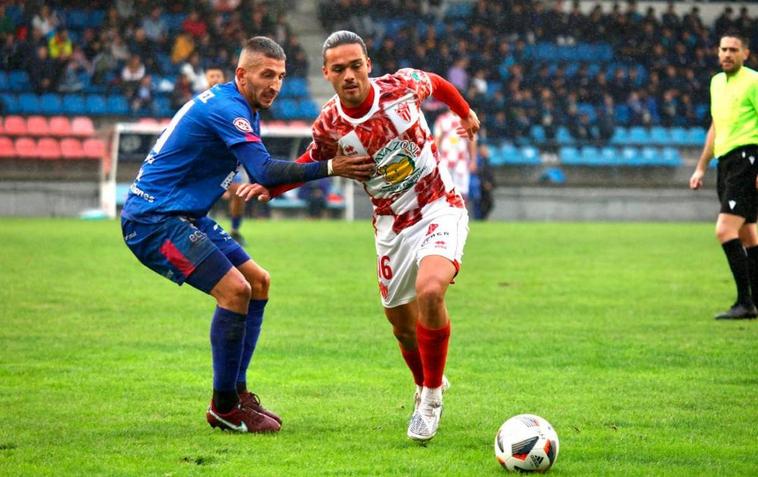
(578, 100)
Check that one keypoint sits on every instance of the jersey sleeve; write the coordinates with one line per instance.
(417, 81)
(322, 147)
(232, 123)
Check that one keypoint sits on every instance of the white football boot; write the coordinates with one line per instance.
(427, 412)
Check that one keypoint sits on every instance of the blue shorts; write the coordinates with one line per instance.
(181, 249)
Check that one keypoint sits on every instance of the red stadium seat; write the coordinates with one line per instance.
(6, 147)
(14, 126)
(72, 149)
(94, 148)
(49, 148)
(26, 147)
(37, 126)
(60, 126)
(148, 121)
(82, 126)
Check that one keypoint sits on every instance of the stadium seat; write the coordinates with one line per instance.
(60, 126)
(72, 148)
(51, 103)
(590, 156)
(530, 155)
(650, 156)
(6, 147)
(95, 104)
(82, 126)
(15, 126)
(25, 147)
(117, 105)
(620, 136)
(74, 104)
(696, 136)
(638, 135)
(94, 148)
(28, 103)
(37, 126)
(563, 136)
(660, 135)
(48, 148)
(630, 156)
(671, 157)
(9, 103)
(18, 80)
(537, 133)
(678, 136)
(608, 156)
(4, 85)
(569, 156)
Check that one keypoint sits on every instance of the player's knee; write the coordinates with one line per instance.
(724, 233)
(241, 291)
(430, 293)
(406, 336)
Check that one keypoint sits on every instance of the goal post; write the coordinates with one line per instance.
(131, 142)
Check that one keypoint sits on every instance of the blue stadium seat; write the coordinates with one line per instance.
(530, 156)
(18, 80)
(622, 113)
(563, 136)
(174, 21)
(608, 156)
(505, 154)
(630, 156)
(537, 134)
(95, 18)
(678, 136)
(117, 105)
(671, 157)
(163, 105)
(620, 136)
(702, 110)
(660, 135)
(569, 156)
(638, 135)
(95, 104)
(51, 103)
(650, 156)
(4, 84)
(308, 109)
(696, 136)
(28, 103)
(590, 156)
(76, 19)
(9, 103)
(74, 105)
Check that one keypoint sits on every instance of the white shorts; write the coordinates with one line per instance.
(442, 231)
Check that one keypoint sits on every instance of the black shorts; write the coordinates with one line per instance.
(736, 182)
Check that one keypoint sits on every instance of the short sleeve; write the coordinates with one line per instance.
(416, 80)
(232, 123)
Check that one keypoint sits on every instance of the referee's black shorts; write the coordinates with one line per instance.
(736, 186)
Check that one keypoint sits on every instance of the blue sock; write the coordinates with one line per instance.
(227, 338)
(252, 331)
(236, 221)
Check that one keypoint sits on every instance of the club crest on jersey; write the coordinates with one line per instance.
(396, 163)
(243, 125)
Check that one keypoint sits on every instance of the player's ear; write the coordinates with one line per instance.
(325, 71)
(368, 64)
(239, 74)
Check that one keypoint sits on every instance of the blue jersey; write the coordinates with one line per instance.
(191, 163)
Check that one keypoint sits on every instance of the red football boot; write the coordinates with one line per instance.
(241, 419)
(251, 400)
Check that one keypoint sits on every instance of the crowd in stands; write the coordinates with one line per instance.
(154, 53)
(522, 63)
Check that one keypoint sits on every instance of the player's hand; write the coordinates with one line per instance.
(360, 168)
(469, 125)
(252, 191)
(696, 181)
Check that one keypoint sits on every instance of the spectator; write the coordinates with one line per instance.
(132, 74)
(46, 21)
(43, 72)
(142, 100)
(155, 27)
(60, 46)
(195, 25)
(194, 73)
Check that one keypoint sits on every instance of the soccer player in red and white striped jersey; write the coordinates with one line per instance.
(420, 220)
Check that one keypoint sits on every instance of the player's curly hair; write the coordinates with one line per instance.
(266, 46)
(342, 37)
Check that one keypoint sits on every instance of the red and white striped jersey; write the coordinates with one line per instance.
(454, 151)
(395, 133)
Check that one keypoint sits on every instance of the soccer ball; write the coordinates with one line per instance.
(526, 443)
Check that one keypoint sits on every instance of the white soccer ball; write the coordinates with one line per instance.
(526, 443)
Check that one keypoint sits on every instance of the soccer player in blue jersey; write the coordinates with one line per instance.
(165, 222)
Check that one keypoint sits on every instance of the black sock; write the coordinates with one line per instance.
(224, 401)
(752, 265)
(738, 263)
(241, 387)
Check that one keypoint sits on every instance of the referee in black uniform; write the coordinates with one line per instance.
(733, 138)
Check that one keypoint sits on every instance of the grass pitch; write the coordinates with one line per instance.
(605, 330)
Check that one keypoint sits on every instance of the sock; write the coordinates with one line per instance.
(236, 221)
(752, 265)
(432, 346)
(412, 358)
(252, 331)
(227, 338)
(738, 263)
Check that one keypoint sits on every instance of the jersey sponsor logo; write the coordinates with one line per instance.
(243, 125)
(431, 229)
(396, 163)
(349, 150)
(140, 193)
(732, 203)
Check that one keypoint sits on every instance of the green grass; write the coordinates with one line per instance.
(603, 329)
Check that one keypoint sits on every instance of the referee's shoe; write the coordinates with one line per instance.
(738, 311)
